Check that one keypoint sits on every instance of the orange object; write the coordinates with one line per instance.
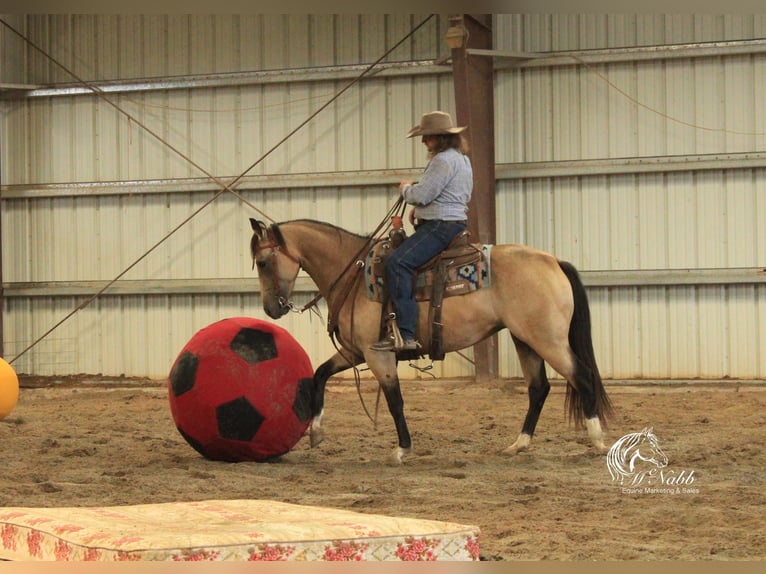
(9, 389)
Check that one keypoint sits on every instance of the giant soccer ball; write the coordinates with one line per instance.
(241, 390)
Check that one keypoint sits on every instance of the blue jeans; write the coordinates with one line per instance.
(429, 239)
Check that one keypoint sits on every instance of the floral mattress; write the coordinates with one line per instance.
(214, 530)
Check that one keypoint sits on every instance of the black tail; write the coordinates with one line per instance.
(586, 370)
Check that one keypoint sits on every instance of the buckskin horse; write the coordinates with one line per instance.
(538, 298)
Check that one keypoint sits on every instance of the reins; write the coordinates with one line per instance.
(336, 301)
(357, 264)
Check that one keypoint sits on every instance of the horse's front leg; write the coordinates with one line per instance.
(334, 365)
(383, 366)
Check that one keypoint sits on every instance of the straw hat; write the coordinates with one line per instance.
(434, 123)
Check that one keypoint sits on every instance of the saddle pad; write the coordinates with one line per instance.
(216, 530)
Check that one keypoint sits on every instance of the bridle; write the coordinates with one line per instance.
(276, 249)
(272, 242)
(356, 264)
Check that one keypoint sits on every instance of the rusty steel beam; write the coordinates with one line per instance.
(474, 102)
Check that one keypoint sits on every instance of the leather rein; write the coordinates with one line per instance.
(356, 263)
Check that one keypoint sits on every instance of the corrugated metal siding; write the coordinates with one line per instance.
(694, 220)
(224, 130)
(11, 52)
(82, 139)
(688, 220)
(139, 335)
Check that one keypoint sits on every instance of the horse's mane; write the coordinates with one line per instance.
(323, 224)
(276, 233)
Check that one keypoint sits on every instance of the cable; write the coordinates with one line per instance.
(101, 94)
(218, 181)
(640, 104)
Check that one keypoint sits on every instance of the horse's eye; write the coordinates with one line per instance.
(261, 264)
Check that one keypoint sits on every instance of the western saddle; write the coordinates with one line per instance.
(460, 269)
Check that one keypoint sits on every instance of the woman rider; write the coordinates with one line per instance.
(441, 211)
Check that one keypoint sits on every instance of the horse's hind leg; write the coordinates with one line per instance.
(583, 401)
(335, 364)
(586, 400)
(533, 368)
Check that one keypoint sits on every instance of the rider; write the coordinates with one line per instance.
(441, 209)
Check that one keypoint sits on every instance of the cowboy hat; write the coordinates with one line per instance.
(434, 123)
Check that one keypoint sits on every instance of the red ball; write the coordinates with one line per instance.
(241, 390)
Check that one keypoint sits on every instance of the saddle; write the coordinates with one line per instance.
(461, 268)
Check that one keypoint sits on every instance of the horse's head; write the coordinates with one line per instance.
(649, 449)
(277, 268)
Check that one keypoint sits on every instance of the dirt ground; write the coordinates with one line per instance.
(85, 443)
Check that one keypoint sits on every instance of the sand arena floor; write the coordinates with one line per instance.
(86, 443)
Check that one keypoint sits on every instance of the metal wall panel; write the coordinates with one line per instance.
(689, 220)
(704, 220)
(111, 47)
(686, 107)
(11, 53)
(224, 130)
(603, 223)
(141, 335)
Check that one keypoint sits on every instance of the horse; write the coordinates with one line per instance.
(632, 450)
(538, 298)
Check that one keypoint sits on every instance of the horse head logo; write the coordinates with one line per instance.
(633, 454)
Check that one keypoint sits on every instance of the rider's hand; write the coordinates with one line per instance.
(404, 184)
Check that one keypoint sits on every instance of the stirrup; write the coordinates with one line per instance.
(389, 344)
(409, 345)
(394, 340)
(386, 344)
(395, 334)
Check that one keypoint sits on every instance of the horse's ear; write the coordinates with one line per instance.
(258, 226)
(649, 430)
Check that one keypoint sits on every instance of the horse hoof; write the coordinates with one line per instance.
(316, 437)
(400, 453)
(596, 434)
(521, 444)
(514, 450)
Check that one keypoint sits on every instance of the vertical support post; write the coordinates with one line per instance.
(473, 79)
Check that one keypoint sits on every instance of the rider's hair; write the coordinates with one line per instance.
(447, 141)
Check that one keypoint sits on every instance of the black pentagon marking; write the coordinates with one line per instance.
(238, 420)
(304, 396)
(184, 373)
(254, 346)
